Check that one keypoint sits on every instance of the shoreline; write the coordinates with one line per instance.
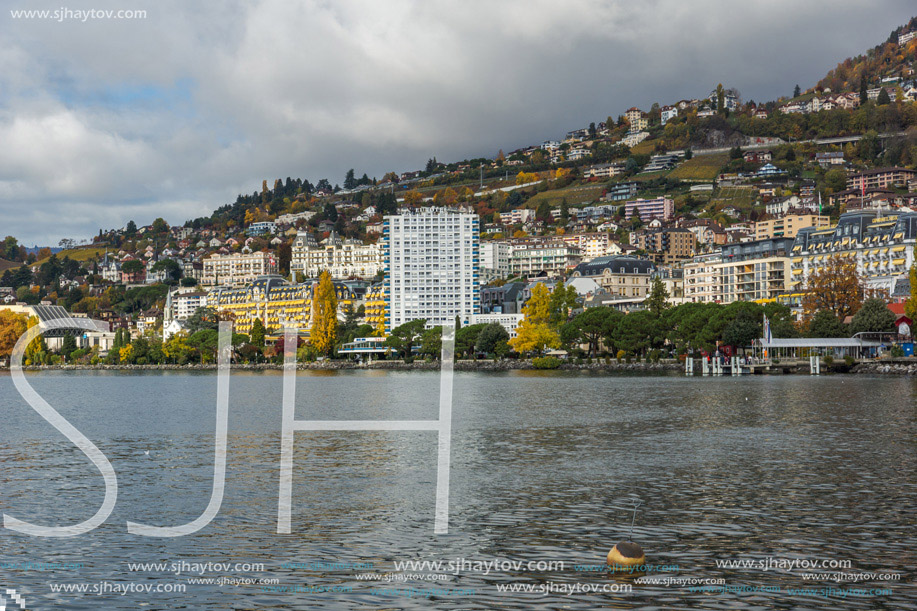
(899, 366)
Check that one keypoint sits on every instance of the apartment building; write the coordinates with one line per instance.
(880, 178)
(432, 261)
(237, 268)
(554, 258)
(755, 270)
(495, 256)
(665, 245)
(701, 278)
(789, 225)
(660, 207)
(341, 258)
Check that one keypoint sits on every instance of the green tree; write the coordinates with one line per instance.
(825, 324)
(171, 268)
(864, 96)
(404, 337)
(873, 317)
(883, 98)
(658, 299)
(493, 339)
(466, 339)
(203, 318)
(431, 342)
(836, 180)
(796, 91)
(742, 331)
(258, 333)
(68, 346)
(590, 327)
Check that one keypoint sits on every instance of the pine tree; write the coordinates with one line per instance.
(257, 334)
(796, 91)
(864, 97)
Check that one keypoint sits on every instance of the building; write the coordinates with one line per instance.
(623, 276)
(701, 278)
(660, 207)
(261, 228)
(621, 191)
(753, 271)
(829, 158)
(881, 245)
(507, 321)
(665, 245)
(431, 266)
(660, 163)
(517, 216)
(506, 299)
(276, 302)
(633, 138)
(603, 170)
(182, 303)
(668, 112)
(376, 308)
(788, 226)
(633, 114)
(880, 178)
(553, 258)
(341, 258)
(905, 38)
(592, 245)
(238, 268)
(495, 256)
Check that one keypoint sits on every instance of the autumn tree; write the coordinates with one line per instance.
(12, 326)
(834, 287)
(910, 306)
(324, 315)
(535, 331)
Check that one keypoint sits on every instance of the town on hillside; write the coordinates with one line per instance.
(690, 226)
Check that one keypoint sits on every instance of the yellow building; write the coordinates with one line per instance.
(276, 302)
(376, 308)
(789, 225)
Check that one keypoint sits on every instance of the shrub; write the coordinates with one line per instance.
(621, 355)
(848, 359)
(896, 351)
(409, 359)
(545, 362)
(829, 360)
(579, 360)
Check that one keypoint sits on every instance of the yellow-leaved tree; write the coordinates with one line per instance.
(536, 332)
(834, 287)
(12, 327)
(323, 333)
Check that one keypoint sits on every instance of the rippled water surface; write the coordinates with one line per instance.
(727, 469)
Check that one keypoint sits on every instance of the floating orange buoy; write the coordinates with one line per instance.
(626, 553)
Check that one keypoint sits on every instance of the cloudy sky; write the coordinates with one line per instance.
(174, 114)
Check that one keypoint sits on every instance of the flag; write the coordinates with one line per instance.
(767, 330)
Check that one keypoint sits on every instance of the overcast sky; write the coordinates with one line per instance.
(173, 115)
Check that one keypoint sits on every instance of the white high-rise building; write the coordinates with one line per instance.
(431, 266)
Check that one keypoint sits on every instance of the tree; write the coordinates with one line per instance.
(590, 327)
(403, 337)
(910, 306)
(257, 334)
(873, 317)
(657, 301)
(493, 339)
(132, 267)
(431, 342)
(564, 212)
(834, 287)
(744, 329)
(563, 299)
(160, 226)
(466, 339)
(203, 318)
(720, 98)
(323, 333)
(825, 324)
(864, 96)
(12, 327)
(131, 229)
(883, 98)
(350, 180)
(836, 180)
(796, 91)
(535, 331)
(171, 268)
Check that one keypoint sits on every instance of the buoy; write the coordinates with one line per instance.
(626, 554)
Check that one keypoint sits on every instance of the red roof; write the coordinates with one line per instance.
(896, 308)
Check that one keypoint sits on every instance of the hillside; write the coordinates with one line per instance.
(884, 61)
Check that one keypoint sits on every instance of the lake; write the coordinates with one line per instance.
(762, 472)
